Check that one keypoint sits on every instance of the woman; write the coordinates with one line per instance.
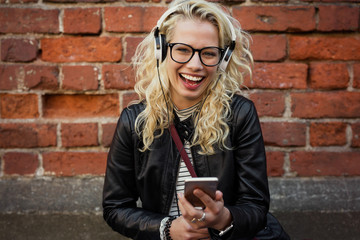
(190, 79)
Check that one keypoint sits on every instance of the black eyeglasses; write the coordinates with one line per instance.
(182, 53)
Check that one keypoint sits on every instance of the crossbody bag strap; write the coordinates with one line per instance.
(180, 147)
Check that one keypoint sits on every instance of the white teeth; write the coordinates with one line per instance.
(191, 78)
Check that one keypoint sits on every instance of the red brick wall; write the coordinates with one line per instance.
(65, 76)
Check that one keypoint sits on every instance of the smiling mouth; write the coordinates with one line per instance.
(192, 80)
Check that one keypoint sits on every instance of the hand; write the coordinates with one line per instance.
(182, 230)
(216, 215)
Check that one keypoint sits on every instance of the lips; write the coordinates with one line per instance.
(191, 80)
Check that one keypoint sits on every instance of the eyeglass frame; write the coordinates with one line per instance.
(171, 45)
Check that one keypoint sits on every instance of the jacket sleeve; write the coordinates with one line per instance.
(120, 193)
(252, 193)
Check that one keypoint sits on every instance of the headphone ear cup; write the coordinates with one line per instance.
(226, 59)
(163, 47)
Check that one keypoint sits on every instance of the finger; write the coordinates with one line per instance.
(187, 210)
(211, 204)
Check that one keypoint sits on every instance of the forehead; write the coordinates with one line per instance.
(196, 33)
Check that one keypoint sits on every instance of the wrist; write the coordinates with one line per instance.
(226, 220)
(168, 223)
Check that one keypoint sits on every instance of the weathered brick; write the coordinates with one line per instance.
(327, 134)
(119, 76)
(275, 163)
(27, 135)
(284, 133)
(81, 49)
(80, 77)
(29, 20)
(324, 47)
(329, 75)
(355, 135)
(268, 47)
(8, 76)
(307, 164)
(131, 45)
(74, 163)
(128, 97)
(41, 77)
(20, 163)
(19, 106)
(88, 20)
(276, 18)
(356, 74)
(279, 76)
(132, 19)
(325, 104)
(108, 130)
(74, 106)
(19, 50)
(79, 134)
(338, 18)
(269, 103)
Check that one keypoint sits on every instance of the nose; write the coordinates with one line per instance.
(195, 62)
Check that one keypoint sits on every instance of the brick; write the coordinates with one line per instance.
(88, 20)
(74, 163)
(80, 78)
(338, 18)
(79, 1)
(324, 48)
(8, 76)
(269, 103)
(329, 76)
(279, 76)
(27, 135)
(276, 18)
(22, 1)
(108, 130)
(20, 163)
(119, 76)
(29, 20)
(325, 104)
(284, 133)
(74, 106)
(79, 134)
(275, 163)
(128, 97)
(356, 74)
(308, 164)
(41, 77)
(131, 19)
(268, 47)
(19, 106)
(355, 135)
(131, 45)
(327, 134)
(19, 50)
(81, 49)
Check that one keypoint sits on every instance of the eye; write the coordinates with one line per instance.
(182, 49)
(210, 53)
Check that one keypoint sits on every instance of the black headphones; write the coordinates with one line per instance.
(161, 46)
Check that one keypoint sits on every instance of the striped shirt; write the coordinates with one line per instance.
(183, 171)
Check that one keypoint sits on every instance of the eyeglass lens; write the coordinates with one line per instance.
(182, 53)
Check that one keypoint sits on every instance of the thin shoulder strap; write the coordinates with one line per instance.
(180, 147)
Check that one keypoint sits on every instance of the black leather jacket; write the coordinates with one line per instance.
(151, 175)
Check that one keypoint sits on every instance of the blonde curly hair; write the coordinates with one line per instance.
(212, 128)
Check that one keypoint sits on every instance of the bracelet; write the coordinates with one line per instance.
(167, 227)
(226, 230)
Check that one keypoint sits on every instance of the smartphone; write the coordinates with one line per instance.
(206, 184)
